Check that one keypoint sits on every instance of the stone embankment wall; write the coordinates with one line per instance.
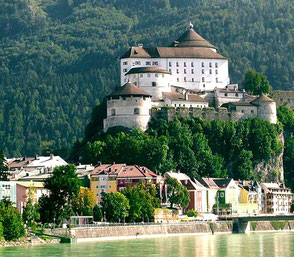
(259, 226)
(147, 230)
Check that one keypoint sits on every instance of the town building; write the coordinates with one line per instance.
(115, 177)
(197, 192)
(277, 198)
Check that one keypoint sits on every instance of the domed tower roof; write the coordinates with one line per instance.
(129, 89)
(148, 70)
(192, 39)
(261, 99)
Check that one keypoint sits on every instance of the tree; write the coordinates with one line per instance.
(97, 213)
(177, 194)
(143, 201)
(242, 167)
(256, 83)
(13, 227)
(3, 168)
(31, 213)
(84, 203)
(64, 186)
(115, 206)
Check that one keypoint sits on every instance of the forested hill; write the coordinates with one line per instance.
(59, 58)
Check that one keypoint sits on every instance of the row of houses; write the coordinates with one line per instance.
(221, 196)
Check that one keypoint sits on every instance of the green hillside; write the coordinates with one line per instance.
(59, 58)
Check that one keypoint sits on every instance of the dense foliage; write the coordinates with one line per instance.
(3, 168)
(64, 187)
(194, 146)
(11, 224)
(59, 58)
(256, 83)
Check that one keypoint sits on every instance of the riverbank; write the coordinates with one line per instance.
(29, 241)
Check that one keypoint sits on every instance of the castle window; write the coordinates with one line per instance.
(252, 111)
(141, 75)
(112, 112)
(175, 105)
(184, 64)
(125, 70)
(148, 63)
(153, 84)
(216, 72)
(170, 70)
(192, 71)
(177, 64)
(185, 71)
(125, 63)
(202, 71)
(136, 111)
(177, 70)
(169, 64)
(185, 79)
(192, 64)
(216, 65)
(216, 80)
(163, 75)
(203, 85)
(178, 80)
(202, 64)
(137, 63)
(192, 79)
(210, 71)
(154, 63)
(210, 64)
(156, 75)
(148, 75)
(236, 94)
(203, 79)
(184, 105)
(226, 94)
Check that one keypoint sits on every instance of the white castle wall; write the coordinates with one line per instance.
(267, 111)
(194, 74)
(146, 80)
(121, 112)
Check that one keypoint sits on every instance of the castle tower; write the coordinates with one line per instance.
(266, 108)
(153, 80)
(128, 106)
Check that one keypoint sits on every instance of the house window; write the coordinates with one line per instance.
(169, 64)
(236, 94)
(202, 64)
(192, 71)
(185, 71)
(202, 71)
(156, 75)
(252, 111)
(226, 94)
(148, 75)
(153, 84)
(112, 112)
(170, 70)
(125, 63)
(203, 79)
(216, 80)
(177, 64)
(178, 80)
(177, 70)
(216, 65)
(192, 79)
(162, 75)
(136, 111)
(124, 98)
(125, 70)
(185, 79)
(141, 75)
(148, 63)
(192, 64)
(109, 186)
(135, 83)
(154, 63)
(210, 71)
(203, 85)
(216, 72)
(184, 64)
(210, 64)
(137, 63)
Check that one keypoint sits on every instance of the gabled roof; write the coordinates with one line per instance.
(148, 70)
(172, 52)
(173, 96)
(262, 98)
(216, 182)
(129, 89)
(191, 39)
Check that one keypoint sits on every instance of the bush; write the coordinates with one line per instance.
(1, 232)
(278, 225)
(192, 213)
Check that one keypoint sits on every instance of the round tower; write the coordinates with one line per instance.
(266, 108)
(153, 80)
(128, 106)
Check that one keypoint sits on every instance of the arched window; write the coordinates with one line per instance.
(136, 111)
(112, 112)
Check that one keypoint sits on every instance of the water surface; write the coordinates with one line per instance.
(225, 245)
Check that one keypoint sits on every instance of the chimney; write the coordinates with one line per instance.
(36, 157)
(99, 163)
(51, 156)
(140, 45)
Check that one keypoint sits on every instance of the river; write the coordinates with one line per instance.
(221, 245)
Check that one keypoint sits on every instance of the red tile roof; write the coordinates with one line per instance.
(129, 89)
(180, 97)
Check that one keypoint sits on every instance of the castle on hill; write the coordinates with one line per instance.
(184, 78)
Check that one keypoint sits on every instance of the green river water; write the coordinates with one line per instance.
(225, 245)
